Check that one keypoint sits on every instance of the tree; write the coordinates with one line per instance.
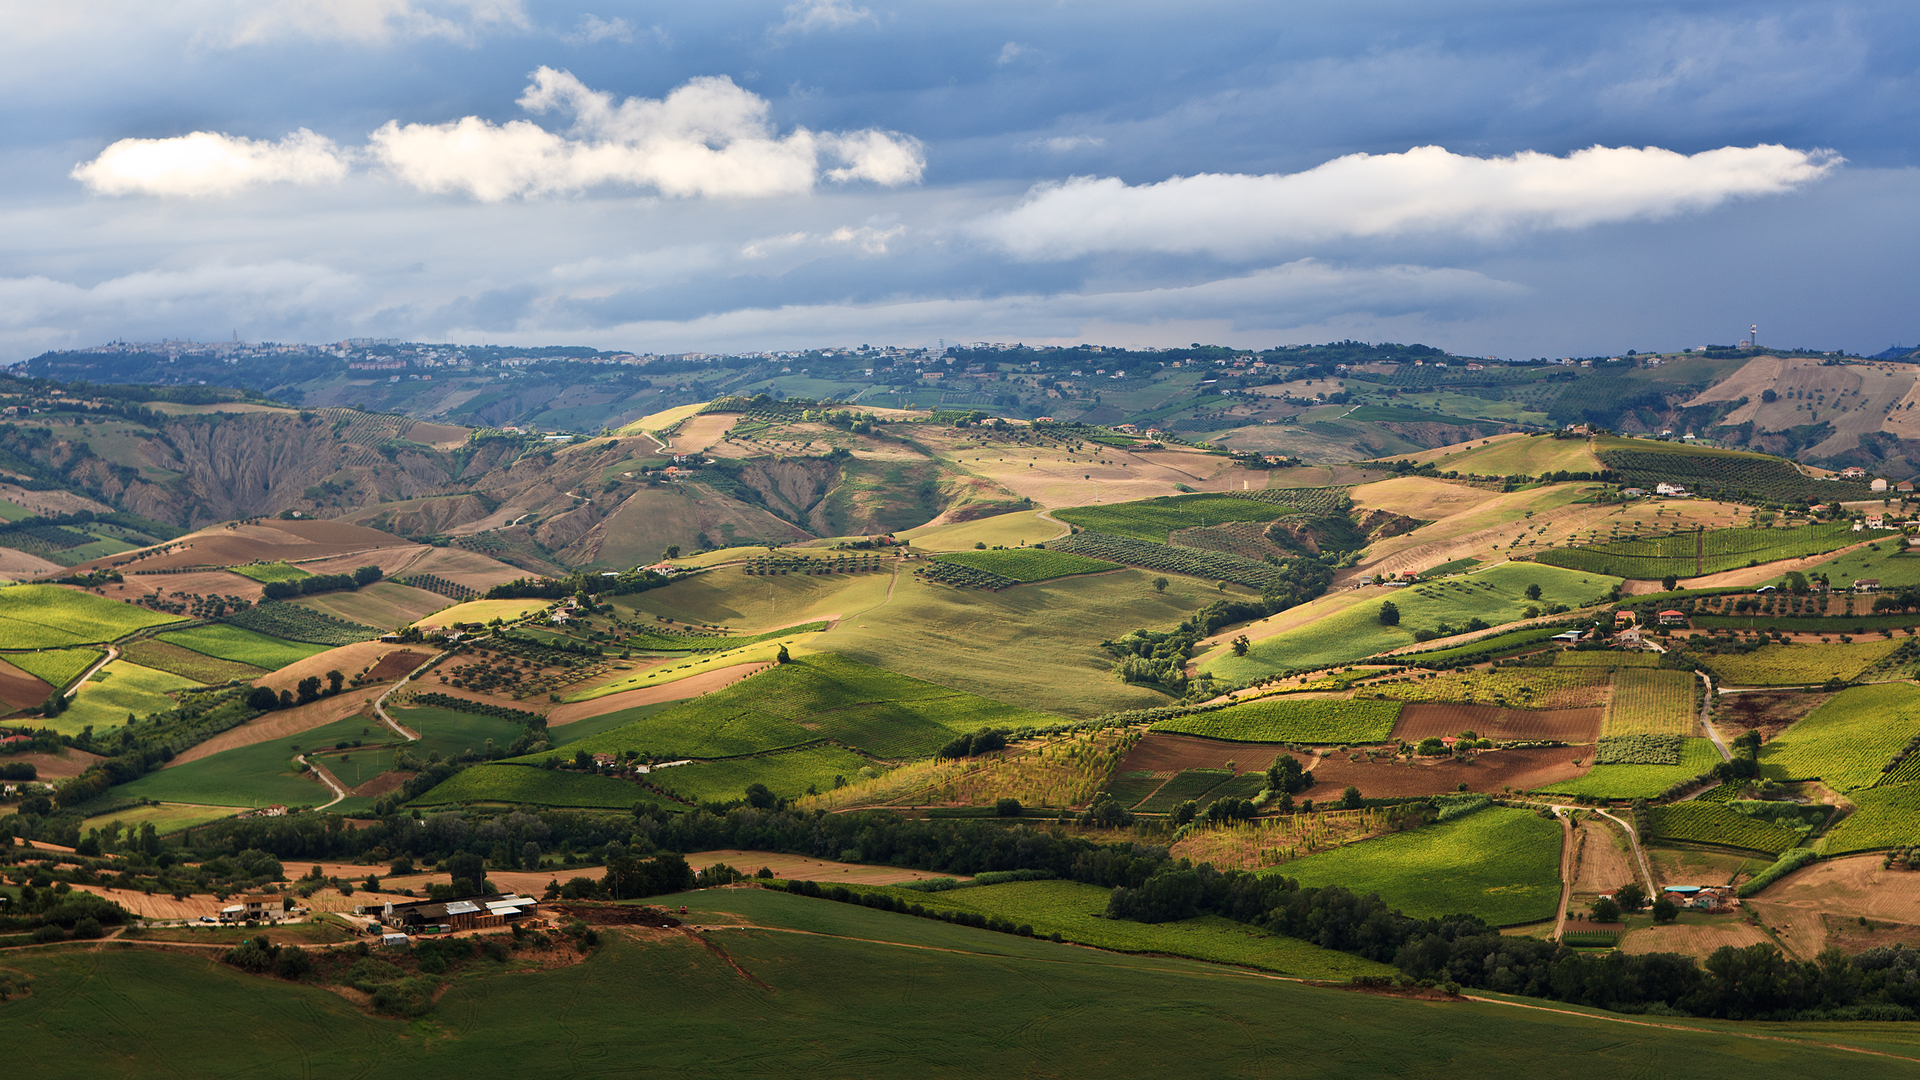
(1605, 910)
(530, 856)
(673, 551)
(760, 797)
(1533, 592)
(334, 681)
(1006, 808)
(1285, 774)
(1159, 584)
(1669, 582)
(782, 657)
(1630, 897)
(469, 872)
(1389, 614)
(1350, 799)
(1240, 645)
(1665, 910)
(309, 688)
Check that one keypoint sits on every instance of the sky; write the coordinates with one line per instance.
(1493, 177)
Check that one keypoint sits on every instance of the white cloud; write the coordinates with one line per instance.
(1062, 144)
(869, 239)
(592, 29)
(206, 164)
(40, 312)
(709, 138)
(809, 15)
(374, 22)
(1426, 189)
(1012, 51)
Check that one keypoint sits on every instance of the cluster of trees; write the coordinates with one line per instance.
(581, 585)
(1159, 657)
(262, 698)
(315, 584)
(976, 744)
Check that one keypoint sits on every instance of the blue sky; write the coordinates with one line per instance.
(1505, 178)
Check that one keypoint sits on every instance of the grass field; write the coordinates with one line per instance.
(1516, 455)
(1027, 564)
(816, 697)
(1495, 595)
(1074, 910)
(269, 572)
(1648, 701)
(1502, 865)
(483, 611)
(788, 775)
(857, 992)
(1606, 658)
(1009, 530)
(49, 617)
(1799, 665)
(167, 818)
(1154, 519)
(1701, 822)
(1884, 560)
(56, 667)
(1849, 739)
(1292, 720)
(698, 664)
(525, 785)
(732, 599)
(1691, 554)
(257, 775)
(382, 604)
(242, 646)
(1486, 648)
(1514, 688)
(451, 733)
(1697, 756)
(163, 656)
(1886, 817)
(116, 690)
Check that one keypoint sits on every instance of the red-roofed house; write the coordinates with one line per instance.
(1673, 618)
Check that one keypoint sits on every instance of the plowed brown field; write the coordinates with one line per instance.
(199, 582)
(801, 868)
(348, 660)
(1696, 941)
(1420, 720)
(20, 690)
(1604, 865)
(1158, 753)
(1491, 772)
(260, 541)
(62, 766)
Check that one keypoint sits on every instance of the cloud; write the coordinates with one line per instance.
(709, 138)
(374, 22)
(1012, 51)
(809, 15)
(871, 240)
(208, 164)
(592, 29)
(1426, 189)
(41, 312)
(1061, 144)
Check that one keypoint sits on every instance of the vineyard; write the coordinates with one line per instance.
(521, 785)
(1513, 688)
(483, 708)
(1154, 519)
(1606, 658)
(1206, 565)
(1287, 720)
(1638, 750)
(297, 623)
(1267, 842)
(1690, 554)
(266, 573)
(1740, 477)
(1847, 741)
(433, 583)
(1697, 757)
(1800, 665)
(1316, 502)
(964, 577)
(1069, 772)
(1887, 817)
(55, 667)
(1026, 564)
(1484, 649)
(1696, 822)
(775, 565)
(788, 775)
(1188, 784)
(1651, 702)
(48, 616)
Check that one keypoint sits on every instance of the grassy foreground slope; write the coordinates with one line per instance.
(857, 993)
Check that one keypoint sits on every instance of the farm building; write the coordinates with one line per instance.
(1673, 618)
(1675, 490)
(253, 907)
(462, 913)
(1879, 484)
(1904, 487)
(1853, 472)
(1866, 585)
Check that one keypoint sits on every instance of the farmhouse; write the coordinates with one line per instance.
(1879, 484)
(1866, 585)
(1853, 472)
(1876, 521)
(1673, 618)
(253, 907)
(1904, 487)
(1678, 491)
(462, 913)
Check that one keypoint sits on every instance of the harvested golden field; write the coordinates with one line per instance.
(801, 868)
(1698, 941)
(348, 660)
(269, 540)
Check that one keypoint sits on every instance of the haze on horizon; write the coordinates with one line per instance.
(1488, 177)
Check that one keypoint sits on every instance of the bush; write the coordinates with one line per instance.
(1790, 860)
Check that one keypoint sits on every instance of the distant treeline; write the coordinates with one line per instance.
(321, 583)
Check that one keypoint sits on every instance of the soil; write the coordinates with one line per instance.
(444, 436)
(617, 915)
(19, 566)
(62, 766)
(159, 905)
(1771, 712)
(199, 583)
(692, 686)
(385, 783)
(1604, 866)
(699, 433)
(347, 660)
(1171, 753)
(391, 561)
(261, 541)
(1853, 938)
(1489, 773)
(395, 664)
(469, 568)
(1849, 888)
(1696, 941)
(1420, 720)
(801, 868)
(281, 723)
(20, 690)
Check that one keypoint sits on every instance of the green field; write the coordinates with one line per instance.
(1799, 665)
(56, 667)
(50, 617)
(1188, 784)
(292, 622)
(1691, 554)
(522, 784)
(162, 656)
(788, 775)
(1606, 658)
(1292, 720)
(1697, 756)
(563, 734)
(1027, 564)
(242, 646)
(1502, 865)
(661, 642)
(451, 733)
(1652, 702)
(258, 775)
(1847, 741)
(266, 573)
(1154, 519)
(1884, 560)
(167, 818)
(1074, 911)
(1700, 822)
(120, 688)
(1495, 595)
(857, 992)
(1485, 648)
(1886, 817)
(816, 697)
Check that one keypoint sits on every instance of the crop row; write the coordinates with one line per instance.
(1154, 519)
(1800, 665)
(482, 708)
(1688, 554)
(1027, 564)
(964, 577)
(1651, 701)
(1847, 741)
(1292, 720)
(1745, 477)
(1713, 823)
(1483, 649)
(1207, 565)
(1638, 750)
(434, 583)
(1516, 688)
(1887, 817)
(1606, 658)
(296, 623)
(1190, 784)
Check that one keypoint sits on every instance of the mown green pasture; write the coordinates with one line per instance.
(270, 572)
(1691, 554)
(1292, 720)
(1848, 740)
(165, 656)
(1495, 596)
(534, 786)
(1502, 865)
(51, 617)
(859, 992)
(816, 697)
(1885, 817)
(261, 774)
(242, 646)
(1884, 560)
(1697, 757)
(788, 775)
(56, 667)
(166, 819)
(1799, 665)
(1155, 519)
(115, 691)
(1028, 564)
